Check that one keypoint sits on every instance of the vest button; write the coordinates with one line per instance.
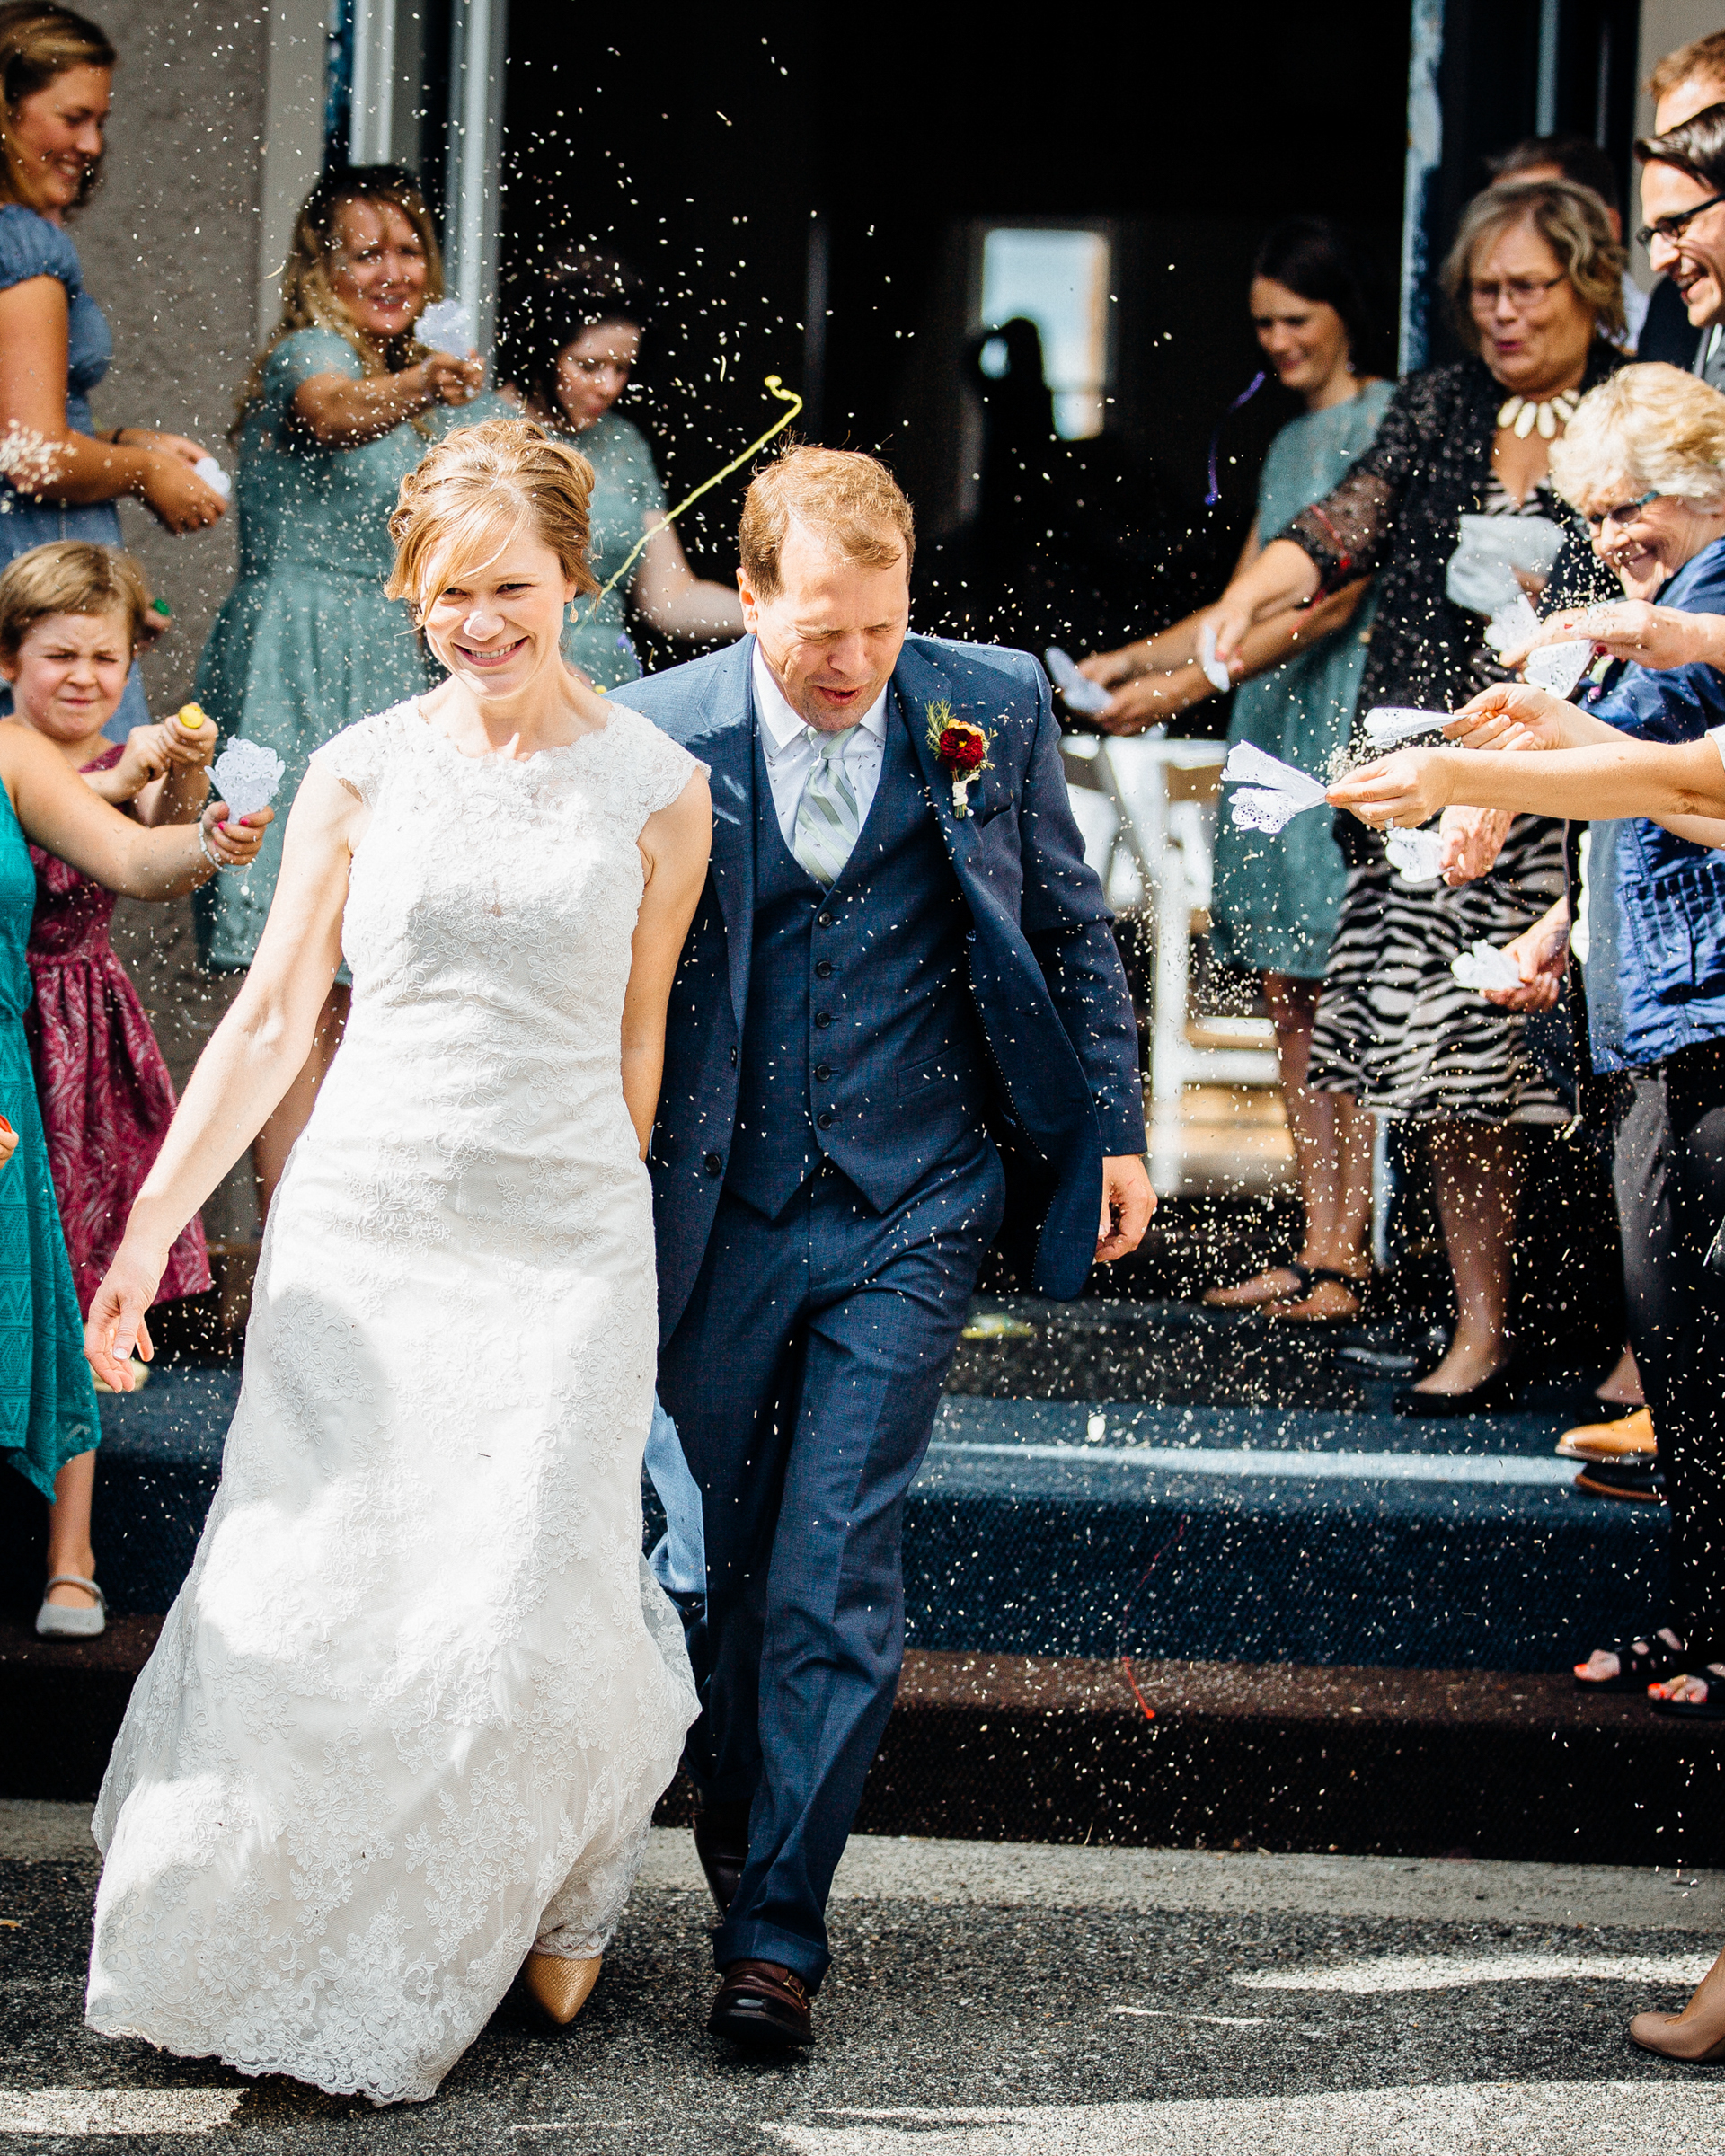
(711, 1163)
(823, 1018)
(823, 969)
(823, 1070)
(823, 919)
(824, 1120)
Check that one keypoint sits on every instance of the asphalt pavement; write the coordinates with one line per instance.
(987, 1999)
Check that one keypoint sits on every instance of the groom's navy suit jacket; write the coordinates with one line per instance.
(1048, 989)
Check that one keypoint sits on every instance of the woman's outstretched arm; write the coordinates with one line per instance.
(1673, 783)
(61, 812)
(251, 1058)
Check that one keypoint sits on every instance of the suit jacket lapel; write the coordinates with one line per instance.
(921, 681)
(727, 746)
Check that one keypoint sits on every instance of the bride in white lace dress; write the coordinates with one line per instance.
(412, 1710)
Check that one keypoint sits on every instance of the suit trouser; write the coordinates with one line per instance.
(1669, 1172)
(803, 1379)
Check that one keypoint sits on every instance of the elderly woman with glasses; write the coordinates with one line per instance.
(1534, 282)
(1644, 461)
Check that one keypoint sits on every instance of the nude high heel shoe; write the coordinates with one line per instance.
(561, 1987)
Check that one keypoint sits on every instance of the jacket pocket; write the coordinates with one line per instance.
(1677, 923)
(927, 1071)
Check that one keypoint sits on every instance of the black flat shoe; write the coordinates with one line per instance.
(1495, 1396)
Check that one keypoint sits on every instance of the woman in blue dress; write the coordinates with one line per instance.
(1276, 899)
(59, 479)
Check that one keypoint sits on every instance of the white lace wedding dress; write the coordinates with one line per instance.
(413, 1706)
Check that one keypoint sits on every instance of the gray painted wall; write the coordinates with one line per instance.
(170, 250)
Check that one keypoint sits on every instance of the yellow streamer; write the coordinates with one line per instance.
(785, 397)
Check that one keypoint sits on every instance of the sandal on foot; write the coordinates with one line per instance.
(1647, 1660)
(1303, 1277)
(1311, 1278)
(1709, 1709)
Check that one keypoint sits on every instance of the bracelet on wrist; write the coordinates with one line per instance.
(215, 859)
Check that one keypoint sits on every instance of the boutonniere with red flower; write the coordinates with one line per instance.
(963, 749)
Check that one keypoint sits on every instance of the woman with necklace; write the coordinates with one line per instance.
(1275, 900)
(1534, 279)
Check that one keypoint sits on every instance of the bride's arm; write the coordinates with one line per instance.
(675, 844)
(252, 1057)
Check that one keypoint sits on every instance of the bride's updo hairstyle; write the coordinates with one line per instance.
(478, 490)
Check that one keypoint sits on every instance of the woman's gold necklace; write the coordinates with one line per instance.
(1521, 415)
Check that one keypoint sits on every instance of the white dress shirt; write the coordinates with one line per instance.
(792, 749)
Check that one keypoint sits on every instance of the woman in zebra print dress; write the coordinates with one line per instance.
(1535, 281)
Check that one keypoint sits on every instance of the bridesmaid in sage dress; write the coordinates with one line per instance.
(570, 352)
(337, 411)
(1277, 900)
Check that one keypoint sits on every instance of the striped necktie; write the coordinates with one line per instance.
(826, 821)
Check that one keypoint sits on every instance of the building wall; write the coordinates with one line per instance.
(170, 248)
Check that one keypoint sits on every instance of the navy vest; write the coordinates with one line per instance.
(860, 1041)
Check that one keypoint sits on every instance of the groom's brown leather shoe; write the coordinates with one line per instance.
(761, 2003)
(721, 1843)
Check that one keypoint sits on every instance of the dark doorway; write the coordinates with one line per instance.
(815, 203)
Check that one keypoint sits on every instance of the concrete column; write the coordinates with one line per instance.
(477, 32)
(295, 67)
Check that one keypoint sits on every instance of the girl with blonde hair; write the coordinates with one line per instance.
(411, 1713)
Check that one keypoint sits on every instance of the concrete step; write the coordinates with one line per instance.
(1219, 1755)
(1175, 1529)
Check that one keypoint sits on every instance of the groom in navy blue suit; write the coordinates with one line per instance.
(897, 974)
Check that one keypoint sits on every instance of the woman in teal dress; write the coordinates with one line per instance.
(1276, 899)
(339, 409)
(49, 1425)
(573, 342)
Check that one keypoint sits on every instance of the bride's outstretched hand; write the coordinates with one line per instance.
(116, 1328)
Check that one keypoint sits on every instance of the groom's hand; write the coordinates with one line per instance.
(1127, 1203)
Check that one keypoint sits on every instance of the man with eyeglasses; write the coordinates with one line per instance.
(1683, 203)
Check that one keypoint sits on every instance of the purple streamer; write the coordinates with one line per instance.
(1246, 394)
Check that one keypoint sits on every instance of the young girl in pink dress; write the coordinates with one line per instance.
(106, 1096)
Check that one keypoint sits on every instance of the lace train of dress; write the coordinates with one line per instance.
(413, 1706)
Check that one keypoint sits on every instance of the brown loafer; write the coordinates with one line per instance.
(721, 1843)
(761, 2003)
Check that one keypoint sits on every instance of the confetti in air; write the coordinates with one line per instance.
(787, 396)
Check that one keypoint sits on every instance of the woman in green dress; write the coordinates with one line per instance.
(574, 343)
(338, 409)
(1276, 900)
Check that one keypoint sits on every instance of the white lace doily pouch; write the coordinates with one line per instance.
(247, 777)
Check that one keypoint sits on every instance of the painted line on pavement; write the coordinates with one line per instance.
(1646, 2117)
(1444, 1972)
(1320, 1467)
(116, 2110)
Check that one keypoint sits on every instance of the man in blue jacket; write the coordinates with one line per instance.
(900, 968)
